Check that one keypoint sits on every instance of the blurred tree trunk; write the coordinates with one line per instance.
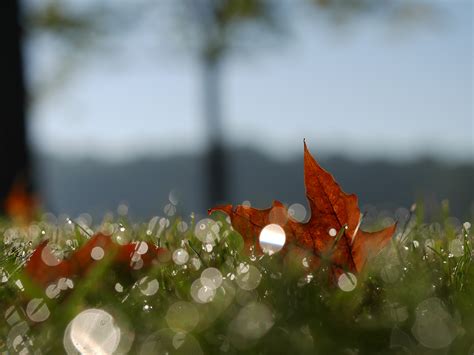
(14, 155)
(215, 156)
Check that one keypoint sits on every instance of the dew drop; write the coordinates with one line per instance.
(347, 282)
(211, 277)
(434, 327)
(92, 331)
(297, 212)
(201, 293)
(3, 276)
(97, 253)
(272, 238)
(122, 209)
(37, 310)
(207, 231)
(19, 284)
(182, 227)
(52, 291)
(398, 313)
(173, 197)
(456, 247)
(196, 263)
(148, 287)
(170, 210)
(180, 256)
(141, 248)
(247, 277)
(49, 258)
(252, 322)
(18, 339)
(152, 224)
(118, 287)
(12, 316)
(136, 264)
(167, 341)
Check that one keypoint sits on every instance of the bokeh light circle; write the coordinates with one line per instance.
(92, 331)
(272, 238)
(37, 310)
(347, 282)
(182, 316)
(247, 277)
(180, 256)
(202, 293)
(297, 212)
(211, 277)
(207, 231)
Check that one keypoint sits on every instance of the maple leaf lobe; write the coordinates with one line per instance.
(331, 208)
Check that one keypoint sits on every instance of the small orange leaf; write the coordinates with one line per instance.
(20, 204)
(44, 268)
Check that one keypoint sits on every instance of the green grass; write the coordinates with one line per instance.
(416, 297)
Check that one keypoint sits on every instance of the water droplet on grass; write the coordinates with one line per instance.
(166, 341)
(347, 282)
(434, 327)
(141, 248)
(92, 331)
(49, 258)
(207, 231)
(122, 209)
(182, 227)
(201, 293)
(97, 253)
(182, 316)
(170, 209)
(252, 322)
(37, 310)
(247, 276)
(148, 287)
(180, 256)
(211, 277)
(456, 247)
(118, 287)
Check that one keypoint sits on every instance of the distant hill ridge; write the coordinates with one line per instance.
(93, 186)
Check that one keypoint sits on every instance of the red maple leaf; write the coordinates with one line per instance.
(332, 230)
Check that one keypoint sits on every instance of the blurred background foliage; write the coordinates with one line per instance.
(210, 32)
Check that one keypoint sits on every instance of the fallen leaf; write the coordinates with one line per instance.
(332, 232)
(20, 204)
(44, 268)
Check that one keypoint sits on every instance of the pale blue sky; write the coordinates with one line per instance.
(378, 91)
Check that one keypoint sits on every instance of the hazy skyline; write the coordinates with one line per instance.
(376, 91)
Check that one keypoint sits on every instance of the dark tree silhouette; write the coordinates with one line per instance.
(212, 27)
(14, 155)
